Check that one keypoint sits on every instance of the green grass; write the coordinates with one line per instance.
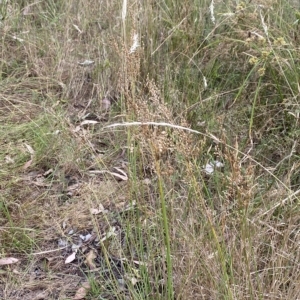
(215, 81)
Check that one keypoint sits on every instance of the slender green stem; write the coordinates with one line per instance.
(253, 108)
(166, 234)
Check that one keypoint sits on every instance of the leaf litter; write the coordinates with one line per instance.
(80, 249)
(121, 175)
(8, 261)
(71, 257)
(82, 291)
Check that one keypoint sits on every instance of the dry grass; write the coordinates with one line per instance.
(115, 151)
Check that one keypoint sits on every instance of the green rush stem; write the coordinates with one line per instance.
(253, 108)
(167, 235)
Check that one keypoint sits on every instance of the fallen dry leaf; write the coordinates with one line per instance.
(106, 103)
(48, 172)
(77, 28)
(8, 261)
(27, 10)
(73, 187)
(125, 178)
(9, 160)
(110, 233)
(41, 296)
(90, 259)
(88, 122)
(95, 211)
(210, 167)
(17, 39)
(30, 149)
(86, 237)
(40, 181)
(82, 291)
(133, 280)
(87, 62)
(141, 263)
(27, 165)
(76, 129)
(70, 258)
(122, 172)
(117, 175)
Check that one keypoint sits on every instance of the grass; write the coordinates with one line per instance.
(107, 159)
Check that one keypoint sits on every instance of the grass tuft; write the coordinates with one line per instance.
(149, 150)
